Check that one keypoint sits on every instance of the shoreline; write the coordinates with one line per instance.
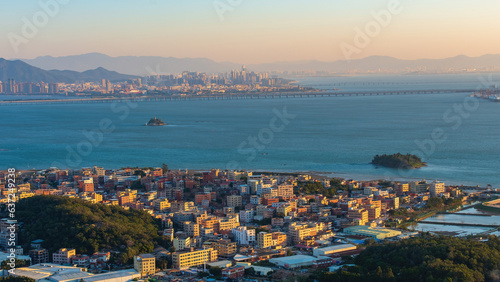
(314, 174)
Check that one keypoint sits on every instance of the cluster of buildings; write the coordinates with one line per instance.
(232, 219)
(11, 87)
(193, 83)
(104, 87)
(234, 81)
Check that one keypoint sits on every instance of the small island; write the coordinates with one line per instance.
(398, 160)
(155, 122)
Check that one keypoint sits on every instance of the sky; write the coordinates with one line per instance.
(250, 31)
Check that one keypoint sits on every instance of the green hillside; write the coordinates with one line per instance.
(64, 222)
(428, 258)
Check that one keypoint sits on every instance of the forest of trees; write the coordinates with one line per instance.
(312, 188)
(426, 258)
(64, 222)
(398, 161)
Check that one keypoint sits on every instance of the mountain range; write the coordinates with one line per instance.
(23, 72)
(150, 65)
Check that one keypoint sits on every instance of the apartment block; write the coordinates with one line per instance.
(436, 188)
(63, 256)
(264, 240)
(187, 259)
(39, 256)
(191, 229)
(161, 205)
(234, 201)
(285, 190)
(243, 235)
(181, 243)
(145, 264)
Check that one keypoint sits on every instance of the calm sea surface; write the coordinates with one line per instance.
(458, 136)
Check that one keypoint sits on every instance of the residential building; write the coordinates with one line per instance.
(234, 272)
(264, 240)
(228, 223)
(187, 259)
(402, 188)
(224, 247)
(81, 260)
(436, 188)
(39, 256)
(285, 190)
(373, 212)
(191, 229)
(234, 201)
(161, 204)
(419, 187)
(145, 264)
(255, 200)
(359, 214)
(63, 256)
(181, 243)
(284, 209)
(299, 231)
(246, 215)
(243, 235)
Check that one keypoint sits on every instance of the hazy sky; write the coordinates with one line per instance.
(249, 31)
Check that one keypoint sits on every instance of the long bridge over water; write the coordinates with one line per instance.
(276, 95)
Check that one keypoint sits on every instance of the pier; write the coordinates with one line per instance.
(241, 96)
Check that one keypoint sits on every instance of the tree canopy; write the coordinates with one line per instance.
(64, 222)
(427, 258)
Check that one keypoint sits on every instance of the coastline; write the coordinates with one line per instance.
(314, 174)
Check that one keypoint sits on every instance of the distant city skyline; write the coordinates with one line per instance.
(249, 32)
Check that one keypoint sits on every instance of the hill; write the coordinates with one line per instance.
(64, 222)
(428, 258)
(23, 72)
(398, 161)
(142, 65)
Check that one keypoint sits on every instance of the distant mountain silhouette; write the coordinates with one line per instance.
(387, 65)
(141, 66)
(147, 65)
(23, 72)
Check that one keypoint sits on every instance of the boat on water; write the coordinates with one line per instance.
(490, 94)
(495, 98)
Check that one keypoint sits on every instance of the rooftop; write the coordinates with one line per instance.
(337, 247)
(297, 259)
(146, 256)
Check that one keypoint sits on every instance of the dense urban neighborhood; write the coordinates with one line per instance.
(186, 83)
(97, 224)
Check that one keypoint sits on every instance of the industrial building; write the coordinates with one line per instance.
(54, 272)
(376, 233)
(331, 250)
(299, 261)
